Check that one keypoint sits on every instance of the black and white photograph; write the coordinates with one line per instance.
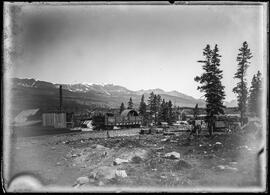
(135, 96)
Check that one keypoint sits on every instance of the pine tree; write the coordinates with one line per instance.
(163, 113)
(142, 109)
(241, 88)
(122, 107)
(196, 112)
(170, 112)
(157, 107)
(211, 85)
(130, 104)
(254, 100)
(151, 103)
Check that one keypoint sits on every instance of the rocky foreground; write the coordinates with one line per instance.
(132, 161)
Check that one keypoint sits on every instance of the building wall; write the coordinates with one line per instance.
(56, 120)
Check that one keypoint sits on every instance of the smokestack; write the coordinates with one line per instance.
(60, 98)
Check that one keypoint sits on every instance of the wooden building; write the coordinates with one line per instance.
(56, 120)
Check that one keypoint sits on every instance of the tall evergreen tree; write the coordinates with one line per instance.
(170, 112)
(130, 104)
(254, 100)
(196, 112)
(142, 109)
(151, 103)
(163, 113)
(241, 87)
(157, 107)
(211, 85)
(122, 107)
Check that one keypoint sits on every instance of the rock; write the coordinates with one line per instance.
(182, 164)
(164, 140)
(120, 173)
(140, 153)
(233, 163)
(172, 155)
(100, 183)
(104, 154)
(221, 167)
(226, 167)
(82, 180)
(163, 176)
(232, 168)
(53, 148)
(97, 146)
(136, 159)
(160, 148)
(217, 146)
(58, 164)
(91, 180)
(119, 161)
(104, 172)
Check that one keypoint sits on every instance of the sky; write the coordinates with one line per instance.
(135, 46)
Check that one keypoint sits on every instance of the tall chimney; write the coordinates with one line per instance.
(60, 98)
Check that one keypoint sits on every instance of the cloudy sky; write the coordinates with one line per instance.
(136, 46)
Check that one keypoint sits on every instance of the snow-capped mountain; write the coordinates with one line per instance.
(35, 93)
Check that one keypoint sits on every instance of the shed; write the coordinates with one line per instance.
(56, 120)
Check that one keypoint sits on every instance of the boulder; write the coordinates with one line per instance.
(120, 173)
(164, 140)
(119, 161)
(226, 167)
(136, 159)
(129, 155)
(172, 155)
(82, 180)
(160, 148)
(104, 172)
(182, 164)
(100, 183)
(99, 146)
(217, 146)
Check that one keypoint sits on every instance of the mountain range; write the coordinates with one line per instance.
(31, 93)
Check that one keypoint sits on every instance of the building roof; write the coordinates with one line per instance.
(126, 112)
(23, 115)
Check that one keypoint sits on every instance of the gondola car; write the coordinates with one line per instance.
(127, 119)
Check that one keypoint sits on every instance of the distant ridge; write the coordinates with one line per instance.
(32, 93)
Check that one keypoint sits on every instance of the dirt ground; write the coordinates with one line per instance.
(224, 160)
